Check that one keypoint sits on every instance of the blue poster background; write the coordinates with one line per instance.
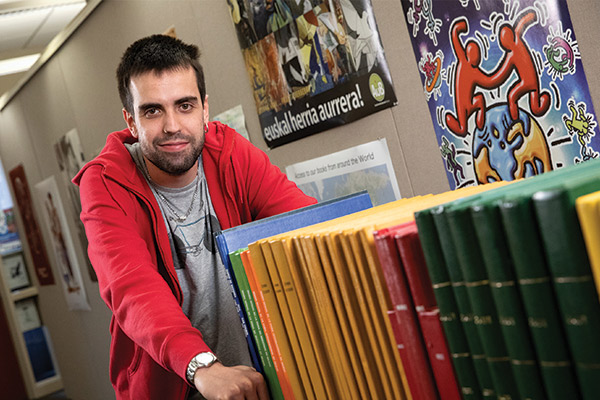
(505, 86)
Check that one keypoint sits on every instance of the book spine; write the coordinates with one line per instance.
(537, 294)
(439, 355)
(309, 343)
(505, 292)
(413, 354)
(356, 380)
(352, 323)
(285, 347)
(573, 284)
(265, 320)
(377, 304)
(413, 260)
(480, 294)
(368, 321)
(449, 314)
(255, 325)
(463, 302)
(315, 274)
(588, 212)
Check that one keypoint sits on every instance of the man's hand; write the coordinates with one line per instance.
(219, 382)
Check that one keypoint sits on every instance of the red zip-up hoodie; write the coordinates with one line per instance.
(152, 340)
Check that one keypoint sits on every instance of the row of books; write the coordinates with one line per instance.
(481, 292)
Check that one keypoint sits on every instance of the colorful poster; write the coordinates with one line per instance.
(312, 64)
(62, 244)
(505, 87)
(33, 234)
(365, 167)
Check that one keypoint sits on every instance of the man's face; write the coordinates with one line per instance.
(168, 121)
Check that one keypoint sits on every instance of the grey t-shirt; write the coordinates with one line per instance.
(207, 298)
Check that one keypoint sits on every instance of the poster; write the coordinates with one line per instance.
(505, 87)
(33, 235)
(312, 64)
(365, 167)
(69, 155)
(234, 118)
(62, 244)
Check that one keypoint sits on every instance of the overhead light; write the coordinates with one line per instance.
(17, 64)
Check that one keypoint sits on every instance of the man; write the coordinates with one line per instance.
(151, 202)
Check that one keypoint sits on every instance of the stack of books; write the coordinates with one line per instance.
(481, 292)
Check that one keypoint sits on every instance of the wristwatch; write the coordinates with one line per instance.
(201, 360)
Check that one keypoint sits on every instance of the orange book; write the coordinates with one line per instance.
(265, 320)
(284, 340)
(299, 346)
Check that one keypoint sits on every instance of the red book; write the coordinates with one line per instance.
(406, 326)
(413, 260)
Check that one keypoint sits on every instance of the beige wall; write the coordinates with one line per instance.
(76, 89)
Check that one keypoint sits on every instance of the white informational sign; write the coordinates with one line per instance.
(365, 167)
(62, 244)
(234, 118)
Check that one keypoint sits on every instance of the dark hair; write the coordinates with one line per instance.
(156, 53)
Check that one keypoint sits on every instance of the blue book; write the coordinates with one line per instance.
(239, 237)
(40, 356)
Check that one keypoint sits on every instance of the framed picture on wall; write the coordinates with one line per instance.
(27, 314)
(15, 271)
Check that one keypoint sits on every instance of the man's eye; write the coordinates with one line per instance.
(150, 112)
(186, 106)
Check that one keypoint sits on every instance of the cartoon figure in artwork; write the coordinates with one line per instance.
(581, 124)
(518, 58)
(449, 153)
(468, 76)
(434, 74)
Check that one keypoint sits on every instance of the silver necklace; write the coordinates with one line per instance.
(173, 208)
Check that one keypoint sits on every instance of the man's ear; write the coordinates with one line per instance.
(205, 109)
(130, 121)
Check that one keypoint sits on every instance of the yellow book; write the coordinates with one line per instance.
(297, 320)
(355, 366)
(356, 336)
(281, 336)
(343, 375)
(371, 317)
(588, 212)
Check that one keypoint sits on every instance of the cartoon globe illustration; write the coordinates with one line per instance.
(506, 150)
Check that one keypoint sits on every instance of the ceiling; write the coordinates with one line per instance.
(27, 27)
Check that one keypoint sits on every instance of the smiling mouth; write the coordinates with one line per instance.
(173, 146)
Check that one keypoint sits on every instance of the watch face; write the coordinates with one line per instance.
(206, 359)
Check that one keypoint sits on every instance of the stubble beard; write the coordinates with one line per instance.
(173, 163)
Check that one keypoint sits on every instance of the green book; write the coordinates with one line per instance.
(449, 314)
(506, 295)
(571, 275)
(463, 302)
(255, 325)
(485, 316)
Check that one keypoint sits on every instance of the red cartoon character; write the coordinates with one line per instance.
(467, 78)
(517, 57)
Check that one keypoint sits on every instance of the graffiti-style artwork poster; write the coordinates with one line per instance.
(505, 87)
(33, 234)
(69, 155)
(312, 64)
